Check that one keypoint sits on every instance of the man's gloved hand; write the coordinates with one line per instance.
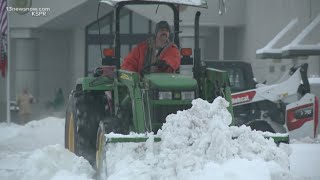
(162, 64)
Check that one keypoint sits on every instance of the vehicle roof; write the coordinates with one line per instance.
(314, 80)
(196, 3)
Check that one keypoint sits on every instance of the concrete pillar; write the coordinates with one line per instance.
(187, 41)
(221, 43)
(26, 66)
(187, 38)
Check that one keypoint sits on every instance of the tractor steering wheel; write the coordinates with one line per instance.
(161, 64)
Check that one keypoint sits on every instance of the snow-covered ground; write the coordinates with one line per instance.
(36, 151)
(196, 144)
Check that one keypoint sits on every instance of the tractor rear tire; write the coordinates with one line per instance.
(84, 112)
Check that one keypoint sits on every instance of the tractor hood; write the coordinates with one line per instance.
(165, 81)
(196, 3)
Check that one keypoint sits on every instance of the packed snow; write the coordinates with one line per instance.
(196, 144)
(36, 151)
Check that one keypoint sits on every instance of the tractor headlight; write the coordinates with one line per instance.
(188, 95)
(165, 95)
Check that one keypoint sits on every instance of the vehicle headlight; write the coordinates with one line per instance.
(188, 95)
(165, 95)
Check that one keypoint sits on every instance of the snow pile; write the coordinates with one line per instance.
(35, 151)
(25, 136)
(306, 140)
(8, 131)
(25, 154)
(51, 128)
(304, 161)
(199, 144)
(55, 162)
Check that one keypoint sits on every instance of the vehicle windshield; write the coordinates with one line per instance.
(135, 27)
(236, 78)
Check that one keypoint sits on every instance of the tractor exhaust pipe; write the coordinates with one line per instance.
(197, 54)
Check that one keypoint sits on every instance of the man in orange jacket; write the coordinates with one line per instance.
(156, 54)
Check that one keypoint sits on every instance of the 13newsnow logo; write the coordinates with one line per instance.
(23, 7)
(38, 13)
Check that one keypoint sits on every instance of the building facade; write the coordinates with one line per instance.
(51, 49)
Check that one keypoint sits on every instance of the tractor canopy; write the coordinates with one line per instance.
(164, 81)
(196, 3)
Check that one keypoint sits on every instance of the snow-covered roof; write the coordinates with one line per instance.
(269, 51)
(314, 80)
(197, 3)
(301, 50)
(293, 49)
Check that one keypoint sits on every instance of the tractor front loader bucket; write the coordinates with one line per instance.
(217, 84)
(104, 140)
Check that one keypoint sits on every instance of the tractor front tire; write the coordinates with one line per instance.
(69, 141)
(101, 152)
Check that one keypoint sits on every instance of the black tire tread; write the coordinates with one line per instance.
(89, 111)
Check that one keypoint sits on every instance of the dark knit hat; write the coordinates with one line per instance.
(162, 24)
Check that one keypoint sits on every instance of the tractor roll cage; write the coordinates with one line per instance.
(118, 8)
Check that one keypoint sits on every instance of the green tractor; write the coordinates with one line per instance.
(120, 101)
